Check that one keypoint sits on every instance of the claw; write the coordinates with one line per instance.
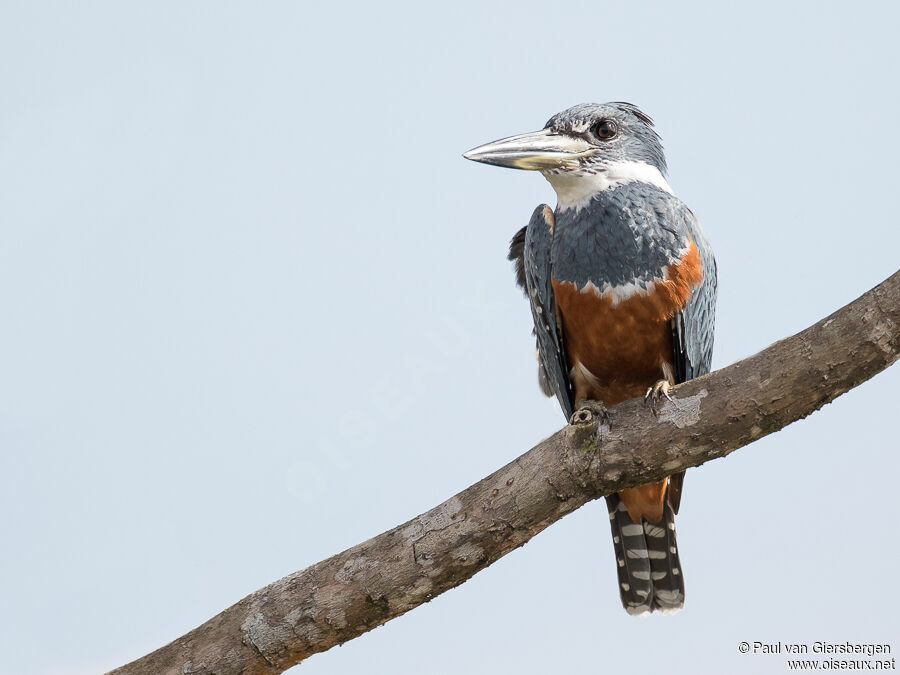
(588, 410)
(654, 393)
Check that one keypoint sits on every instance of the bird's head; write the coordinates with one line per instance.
(585, 149)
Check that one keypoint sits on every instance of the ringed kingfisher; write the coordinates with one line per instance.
(622, 287)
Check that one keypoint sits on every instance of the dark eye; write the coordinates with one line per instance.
(605, 129)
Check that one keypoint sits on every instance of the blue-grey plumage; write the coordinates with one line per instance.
(694, 326)
(625, 234)
(622, 287)
(536, 265)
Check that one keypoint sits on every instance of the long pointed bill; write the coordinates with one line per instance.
(538, 151)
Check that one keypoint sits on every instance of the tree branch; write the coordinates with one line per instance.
(352, 592)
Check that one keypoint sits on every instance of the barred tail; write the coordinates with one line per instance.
(646, 560)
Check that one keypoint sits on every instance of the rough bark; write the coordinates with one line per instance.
(354, 591)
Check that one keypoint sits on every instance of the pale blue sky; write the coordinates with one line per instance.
(257, 309)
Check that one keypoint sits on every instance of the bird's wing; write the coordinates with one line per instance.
(692, 329)
(534, 263)
(517, 256)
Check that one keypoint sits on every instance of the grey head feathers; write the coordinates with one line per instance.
(635, 141)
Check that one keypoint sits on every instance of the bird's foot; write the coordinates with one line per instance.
(588, 411)
(655, 393)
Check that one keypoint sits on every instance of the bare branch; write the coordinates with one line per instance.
(352, 592)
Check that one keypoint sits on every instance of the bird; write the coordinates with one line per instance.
(622, 286)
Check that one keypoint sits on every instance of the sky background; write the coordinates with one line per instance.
(256, 309)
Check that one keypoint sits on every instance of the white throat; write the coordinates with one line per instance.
(574, 190)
